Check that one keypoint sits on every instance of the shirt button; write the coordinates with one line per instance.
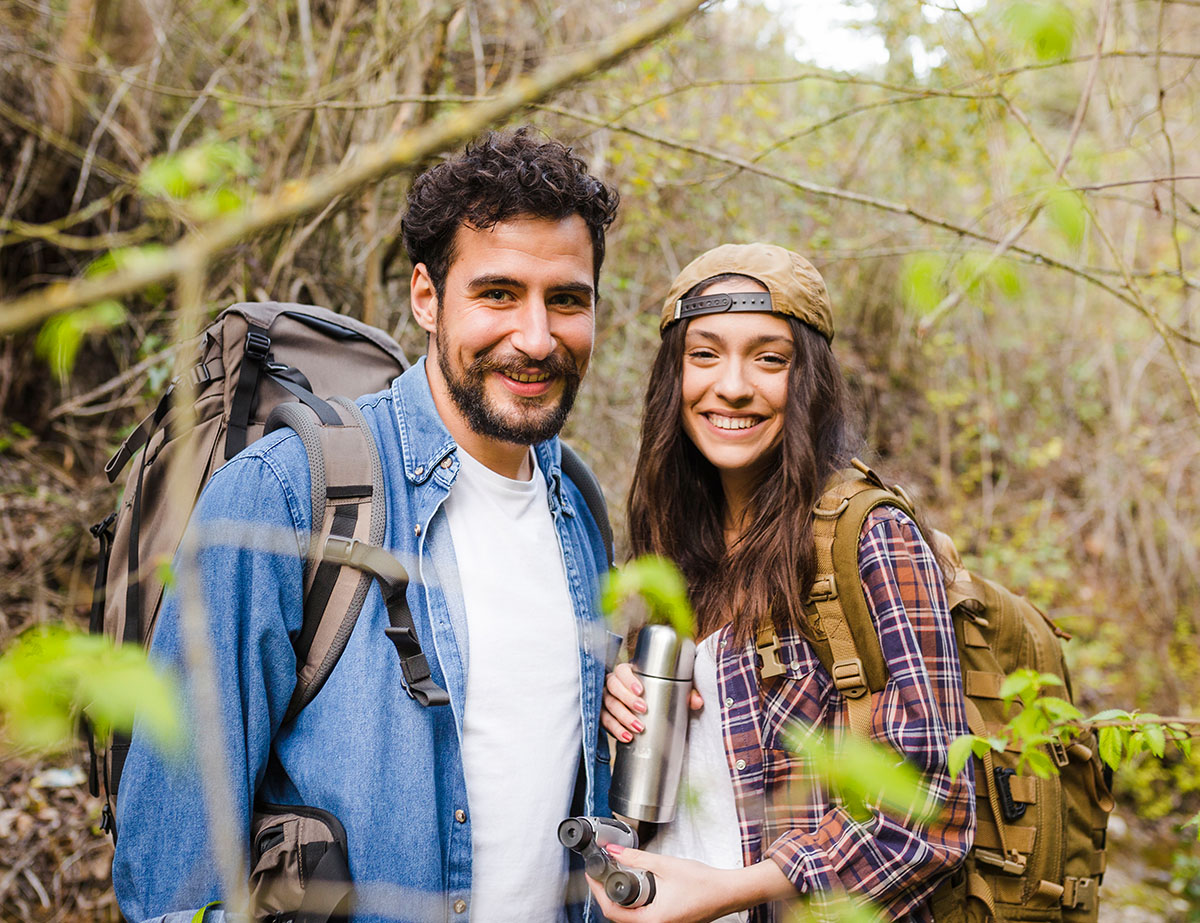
(417, 530)
(460, 905)
(796, 665)
(446, 462)
(461, 816)
(729, 702)
(420, 470)
(740, 764)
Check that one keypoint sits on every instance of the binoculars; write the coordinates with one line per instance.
(588, 836)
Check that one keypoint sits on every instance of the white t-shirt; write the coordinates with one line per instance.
(705, 826)
(522, 719)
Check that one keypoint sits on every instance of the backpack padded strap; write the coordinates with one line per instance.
(582, 477)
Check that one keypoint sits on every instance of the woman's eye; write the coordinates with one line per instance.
(776, 360)
(701, 354)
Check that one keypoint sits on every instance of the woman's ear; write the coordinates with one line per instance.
(423, 298)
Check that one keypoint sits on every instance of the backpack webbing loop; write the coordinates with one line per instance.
(402, 632)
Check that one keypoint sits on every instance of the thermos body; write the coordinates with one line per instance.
(646, 772)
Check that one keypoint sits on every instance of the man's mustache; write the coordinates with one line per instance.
(561, 364)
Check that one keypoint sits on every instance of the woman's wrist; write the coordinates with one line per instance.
(760, 883)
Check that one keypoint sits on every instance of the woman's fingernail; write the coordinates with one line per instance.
(639, 706)
(614, 849)
(638, 726)
(638, 688)
(626, 736)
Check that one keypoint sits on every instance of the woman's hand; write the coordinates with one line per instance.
(623, 703)
(687, 891)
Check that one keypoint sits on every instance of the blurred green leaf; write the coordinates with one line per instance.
(1066, 212)
(921, 281)
(868, 776)
(659, 583)
(1045, 27)
(50, 675)
(1156, 739)
(961, 750)
(59, 340)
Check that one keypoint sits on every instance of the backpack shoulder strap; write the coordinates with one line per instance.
(582, 477)
(345, 551)
(845, 638)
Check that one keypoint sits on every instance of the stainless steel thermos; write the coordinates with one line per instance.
(646, 771)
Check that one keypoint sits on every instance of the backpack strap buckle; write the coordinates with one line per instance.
(767, 647)
(849, 678)
(258, 344)
(1080, 893)
(824, 588)
(1011, 864)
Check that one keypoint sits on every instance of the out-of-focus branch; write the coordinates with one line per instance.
(1037, 257)
(371, 164)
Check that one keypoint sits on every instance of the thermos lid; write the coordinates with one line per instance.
(663, 652)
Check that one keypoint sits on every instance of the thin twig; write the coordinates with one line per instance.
(372, 163)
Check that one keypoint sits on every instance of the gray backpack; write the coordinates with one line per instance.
(259, 367)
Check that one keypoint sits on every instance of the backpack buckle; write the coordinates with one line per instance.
(767, 647)
(1011, 864)
(258, 344)
(1079, 893)
(849, 679)
(823, 588)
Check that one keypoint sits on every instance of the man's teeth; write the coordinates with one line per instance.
(731, 422)
(527, 378)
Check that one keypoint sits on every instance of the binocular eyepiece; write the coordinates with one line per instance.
(588, 836)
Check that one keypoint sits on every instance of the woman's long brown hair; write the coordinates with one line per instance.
(677, 504)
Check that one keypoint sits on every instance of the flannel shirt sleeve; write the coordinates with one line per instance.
(896, 862)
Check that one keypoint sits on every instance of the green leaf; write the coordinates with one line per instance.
(921, 282)
(1037, 762)
(1112, 744)
(659, 583)
(1066, 212)
(961, 750)
(1156, 740)
(62, 336)
(49, 675)
(1112, 714)
(1045, 28)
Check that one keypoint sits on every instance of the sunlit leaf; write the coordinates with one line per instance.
(1045, 27)
(867, 775)
(62, 336)
(921, 281)
(961, 750)
(1112, 745)
(659, 583)
(50, 675)
(1065, 210)
(1156, 740)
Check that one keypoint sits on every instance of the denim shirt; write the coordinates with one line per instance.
(390, 770)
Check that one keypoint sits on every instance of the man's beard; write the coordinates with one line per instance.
(528, 422)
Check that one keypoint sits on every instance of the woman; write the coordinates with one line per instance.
(745, 422)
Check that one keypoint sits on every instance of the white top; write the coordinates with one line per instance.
(706, 822)
(521, 725)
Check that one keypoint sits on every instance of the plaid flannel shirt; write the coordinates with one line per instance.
(785, 813)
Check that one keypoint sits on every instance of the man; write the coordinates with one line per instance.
(449, 812)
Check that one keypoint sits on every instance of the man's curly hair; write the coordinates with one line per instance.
(499, 177)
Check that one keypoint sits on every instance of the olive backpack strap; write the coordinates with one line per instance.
(582, 477)
(845, 638)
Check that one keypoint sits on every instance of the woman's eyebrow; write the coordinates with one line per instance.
(767, 339)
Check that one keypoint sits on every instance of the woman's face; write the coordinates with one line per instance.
(735, 380)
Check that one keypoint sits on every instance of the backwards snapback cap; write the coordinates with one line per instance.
(794, 287)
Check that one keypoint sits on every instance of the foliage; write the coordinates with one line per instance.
(51, 676)
(659, 583)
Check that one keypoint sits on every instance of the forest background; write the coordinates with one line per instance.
(1005, 211)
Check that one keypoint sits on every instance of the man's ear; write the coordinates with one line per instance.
(423, 298)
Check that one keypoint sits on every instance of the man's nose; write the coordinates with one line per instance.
(532, 335)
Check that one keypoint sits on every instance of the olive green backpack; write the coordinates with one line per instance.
(1039, 844)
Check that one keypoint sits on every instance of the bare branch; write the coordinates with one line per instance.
(371, 164)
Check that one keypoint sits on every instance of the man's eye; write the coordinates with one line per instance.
(569, 301)
(496, 294)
